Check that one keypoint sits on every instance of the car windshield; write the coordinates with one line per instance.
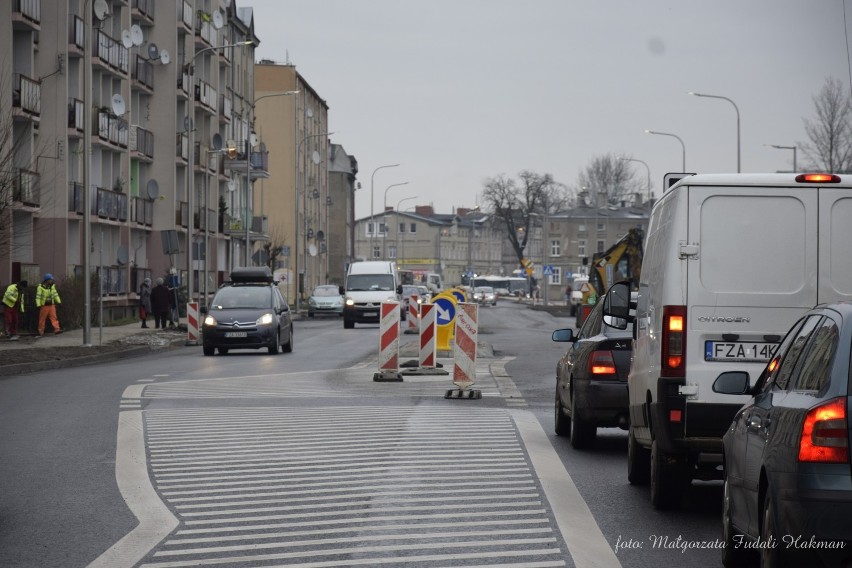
(370, 282)
(326, 291)
(409, 290)
(484, 290)
(242, 298)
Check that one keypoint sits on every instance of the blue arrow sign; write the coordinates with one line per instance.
(446, 311)
(460, 297)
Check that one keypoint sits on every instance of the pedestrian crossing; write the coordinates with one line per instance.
(333, 486)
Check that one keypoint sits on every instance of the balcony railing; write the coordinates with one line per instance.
(26, 189)
(142, 141)
(77, 33)
(75, 114)
(142, 211)
(182, 215)
(227, 106)
(75, 197)
(144, 8)
(185, 15)
(111, 128)
(112, 52)
(183, 146)
(29, 9)
(26, 94)
(143, 71)
(207, 95)
(110, 205)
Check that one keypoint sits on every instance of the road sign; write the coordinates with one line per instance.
(446, 310)
(459, 295)
(547, 270)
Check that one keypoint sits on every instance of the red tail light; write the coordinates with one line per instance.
(817, 178)
(673, 362)
(601, 363)
(825, 434)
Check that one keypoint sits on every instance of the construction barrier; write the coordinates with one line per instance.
(389, 343)
(464, 354)
(445, 306)
(427, 337)
(192, 323)
(413, 314)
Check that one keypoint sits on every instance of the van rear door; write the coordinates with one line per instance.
(752, 271)
(835, 238)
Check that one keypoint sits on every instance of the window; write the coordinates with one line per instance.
(555, 248)
(413, 228)
(377, 252)
(791, 357)
(581, 228)
(556, 277)
(383, 229)
(370, 228)
(401, 227)
(581, 247)
(392, 251)
(601, 227)
(815, 366)
(601, 245)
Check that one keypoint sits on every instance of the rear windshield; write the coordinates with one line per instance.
(326, 291)
(369, 282)
(243, 297)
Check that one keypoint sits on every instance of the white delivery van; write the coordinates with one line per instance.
(731, 261)
(368, 284)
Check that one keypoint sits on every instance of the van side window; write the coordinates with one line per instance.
(814, 366)
(791, 357)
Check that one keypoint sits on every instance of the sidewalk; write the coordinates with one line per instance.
(74, 338)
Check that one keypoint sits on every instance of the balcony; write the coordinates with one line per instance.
(75, 118)
(76, 37)
(142, 211)
(75, 197)
(226, 108)
(142, 142)
(111, 129)
(143, 74)
(182, 147)
(26, 98)
(185, 16)
(26, 189)
(110, 205)
(143, 9)
(109, 54)
(207, 96)
(183, 86)
(205, 33)
(26, 15)
(259, 164)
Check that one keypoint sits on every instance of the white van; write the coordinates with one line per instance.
(731, 261)
(368, 284)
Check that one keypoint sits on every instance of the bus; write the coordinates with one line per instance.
(503, 285)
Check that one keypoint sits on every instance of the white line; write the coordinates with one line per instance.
(131, 474)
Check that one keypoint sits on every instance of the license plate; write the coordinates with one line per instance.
(236, 334)
(371, 314)
(744, 351)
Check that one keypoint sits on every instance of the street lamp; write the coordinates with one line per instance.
(372, 211)
(398, 204)
(189, 117)
(384, 216)
(305, 212)
(248, 162)
(682, 145)
(738, 120)
(793, 148)
(647, 168)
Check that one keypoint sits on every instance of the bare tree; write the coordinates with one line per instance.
(829, 146)
(514, 203)
(608, 180)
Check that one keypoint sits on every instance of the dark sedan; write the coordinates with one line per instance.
(788, 483)
(591, 380)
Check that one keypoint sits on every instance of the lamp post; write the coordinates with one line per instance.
(647, 168)
(738, 120)
(305, 212)
(372, 211)
(793, 148)
(248, 163)
(384, 216)
(682, 145)
(189, 117)
(398, 204)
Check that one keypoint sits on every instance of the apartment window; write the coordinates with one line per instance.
(383, 229)
(581, 228)
(413, 228)
(555, 248)
(402, 227)
(377, 252)
(601, 244)
(581, 247)
(371, 227)
(601, 227)
(392, 251)
(556, 277)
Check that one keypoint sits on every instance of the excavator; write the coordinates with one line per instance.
(621, 261)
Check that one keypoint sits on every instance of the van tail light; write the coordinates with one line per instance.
(825, 434)
(817, 178)
(673, 362)
(601, 363)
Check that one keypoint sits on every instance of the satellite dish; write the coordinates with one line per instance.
(218, 20)
(153, 189)
(126, 39)
(118, 106)
(253, 139)
(315, 157)
(310, 113)
(101, 9)
(165, 58)
(312, 249)
(121, 255)
(320, 235)
(217, 141)
(136, 35)
(153, 51)
(232, 185)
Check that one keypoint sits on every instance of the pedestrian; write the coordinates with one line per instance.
(160, 304)
(47, 298)
(13, 302)
(568, 292)
(145, 301)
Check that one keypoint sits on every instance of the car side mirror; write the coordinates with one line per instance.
(732, 382)
(563, 335)
(341, 290)
(203, 309)
(399, 289)
(616, 308)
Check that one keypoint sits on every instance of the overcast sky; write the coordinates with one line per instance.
(457, 91)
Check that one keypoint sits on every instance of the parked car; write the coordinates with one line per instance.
(591, 380)
(485, 295)
(248, 312)
(425, 294)
(325, 299)
(409, 290)
(787, 475)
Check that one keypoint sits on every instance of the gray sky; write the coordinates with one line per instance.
(457, 91)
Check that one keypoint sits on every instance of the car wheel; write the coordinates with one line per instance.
(288, 347)
(561, 423)
(770, 557)
(583, 433)
(666, 484)
(638, 461)
(347, 324)
(276, 344)
(733, 554)
(208, 351)
(223, 351)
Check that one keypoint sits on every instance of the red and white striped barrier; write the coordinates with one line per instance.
(192, 323)
(413, 314)
(389, 343)
(464, 353)
(427, 336)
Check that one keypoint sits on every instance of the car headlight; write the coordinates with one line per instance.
(312, 302)
(210, 321)
(350, 302)
(265, 319)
